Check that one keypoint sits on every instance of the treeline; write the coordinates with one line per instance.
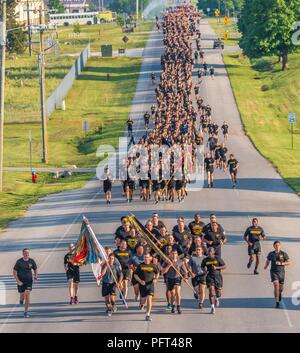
(229, 5)
(16, 39)
(267, 28)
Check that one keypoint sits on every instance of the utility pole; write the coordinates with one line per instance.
(2, 82)
(43, 88)
(137, 11)
(29, 29)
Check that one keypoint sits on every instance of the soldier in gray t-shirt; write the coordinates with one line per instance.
(111, 272)
(173, 279)
(198, 275)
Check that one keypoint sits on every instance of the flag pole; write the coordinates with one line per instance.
(135, 223)
(102, 251)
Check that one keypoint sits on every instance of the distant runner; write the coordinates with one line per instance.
(214, 280)
(253, 235)
(73, 275)
(233, 165)
(279, 260)
(147, 274)
(23, 274)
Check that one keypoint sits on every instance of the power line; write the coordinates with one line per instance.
(2, 82)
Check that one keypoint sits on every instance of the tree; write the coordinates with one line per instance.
(267, 28)
(127, 6)
(16, 39)
(56, 5)
(230, 5)
(76, 28)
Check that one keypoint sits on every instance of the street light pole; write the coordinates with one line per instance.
(29, 29)
(2, 82)
(43, 89)
(137, 11)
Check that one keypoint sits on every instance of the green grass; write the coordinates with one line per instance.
(220, 28)
(22, 100)
(106, 104)
(20, 193)
(270, 95)
(104, 33)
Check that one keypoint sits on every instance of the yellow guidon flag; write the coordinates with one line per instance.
(152, 241)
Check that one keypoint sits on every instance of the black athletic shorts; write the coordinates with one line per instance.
(129, 184)
(27, 285)
(134, 281)
(196, 281)
(209, 170)
(144, 184)
(108, 289)
(147, 289)
(214, 281)
(156, 186)
(171, 185)
(126, 273)
(233, 171)
(255, 249)
(277, 276)
(74, 275)
(178, 185)
(172, 282)
(107, 187)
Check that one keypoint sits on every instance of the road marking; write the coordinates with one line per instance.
(264, 254)
(55, 247)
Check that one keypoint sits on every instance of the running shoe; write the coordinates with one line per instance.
(213, 310)
(26, 315)
(196, 296)
(169, 306)
(109, 313)
(71, 300)
(114, 308)
(142, 307)
(217, 302)
(200, 306)
(249, 264)
(148, 318)
(76, 300)
(179, 311)
(173, 309)
(256, 272)
(277, 305)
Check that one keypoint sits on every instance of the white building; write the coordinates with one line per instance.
(77, 6)
(34, 6)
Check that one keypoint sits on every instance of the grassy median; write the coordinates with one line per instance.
(104, 33)
(219, 27)
(265, 95)
(104, 104)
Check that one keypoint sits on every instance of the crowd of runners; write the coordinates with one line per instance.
(191, 252)
(180, 117)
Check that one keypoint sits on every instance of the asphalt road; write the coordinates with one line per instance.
(247, 304)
